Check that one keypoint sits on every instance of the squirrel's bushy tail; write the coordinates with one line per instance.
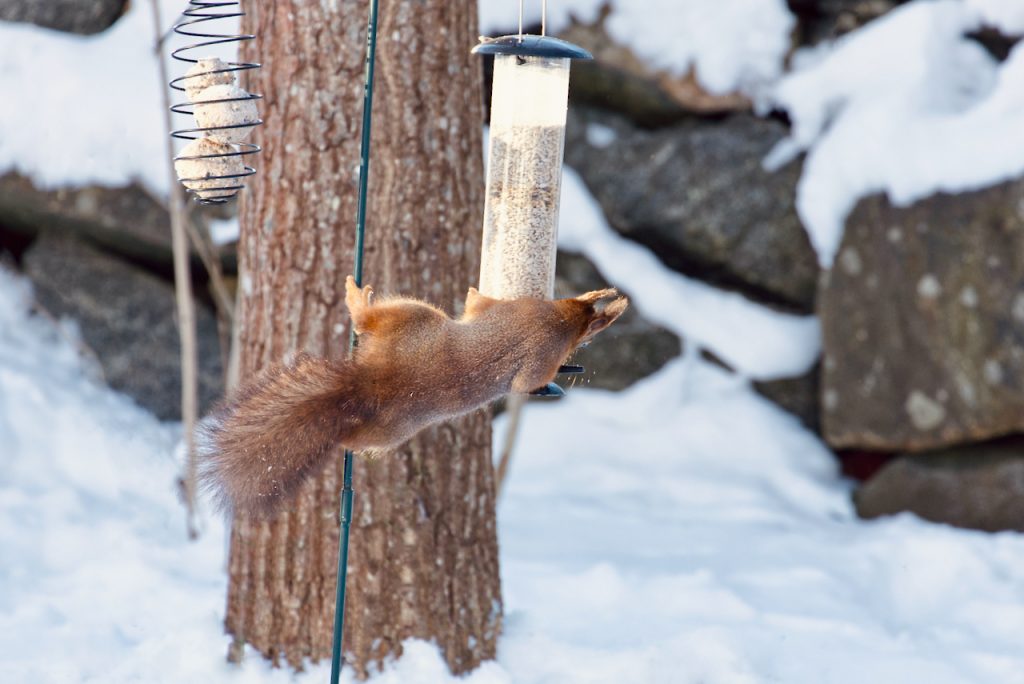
(257, 449)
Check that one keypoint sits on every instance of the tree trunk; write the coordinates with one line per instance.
(423, 558)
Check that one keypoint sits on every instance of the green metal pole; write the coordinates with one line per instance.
(346, 490)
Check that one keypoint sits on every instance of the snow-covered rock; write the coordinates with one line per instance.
(908, 105)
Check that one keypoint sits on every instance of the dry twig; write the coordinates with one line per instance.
(183, 294)
(514, 407)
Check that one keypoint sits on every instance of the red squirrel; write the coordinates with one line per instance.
(414, 366)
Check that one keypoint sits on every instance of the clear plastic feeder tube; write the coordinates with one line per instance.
(524, 168)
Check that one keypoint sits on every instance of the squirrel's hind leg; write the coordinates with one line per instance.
(391, 320)
(477, 303)
(358, 300)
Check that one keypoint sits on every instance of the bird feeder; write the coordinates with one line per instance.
(524, 171)
(211, 165)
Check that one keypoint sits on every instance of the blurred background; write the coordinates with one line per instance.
(817, 208)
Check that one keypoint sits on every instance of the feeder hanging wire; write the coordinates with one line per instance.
(543, 19)
(347, 493)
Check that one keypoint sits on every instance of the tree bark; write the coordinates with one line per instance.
(423, 557)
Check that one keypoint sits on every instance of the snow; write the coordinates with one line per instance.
(224, 231)
(1006, 15)
(756, 341)
(731, 44)
(600, 135)
(906, 105)
(503, 15)
(685, 530)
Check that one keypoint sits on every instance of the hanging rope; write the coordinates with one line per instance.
(346, 490)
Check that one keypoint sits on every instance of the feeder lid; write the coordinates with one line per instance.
(533, 46)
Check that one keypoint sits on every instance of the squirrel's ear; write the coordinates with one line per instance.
(605, 317)
(597, 295)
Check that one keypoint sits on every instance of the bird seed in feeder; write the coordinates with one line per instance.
(199, 78)
(238, 110)
(521, 212)
(210, 177)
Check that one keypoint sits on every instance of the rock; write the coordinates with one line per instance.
(127, 317)
(617, 80)
(638, 99)
(819, 20)
(998, 44)
(74, 16)
(923, 323)
(127, 220)
(976, 486)
(798, 395)
(697, 195)
(631, 349)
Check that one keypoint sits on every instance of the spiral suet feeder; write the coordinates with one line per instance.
(211, 166)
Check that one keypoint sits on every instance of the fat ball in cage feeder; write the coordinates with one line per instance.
(211, 166)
